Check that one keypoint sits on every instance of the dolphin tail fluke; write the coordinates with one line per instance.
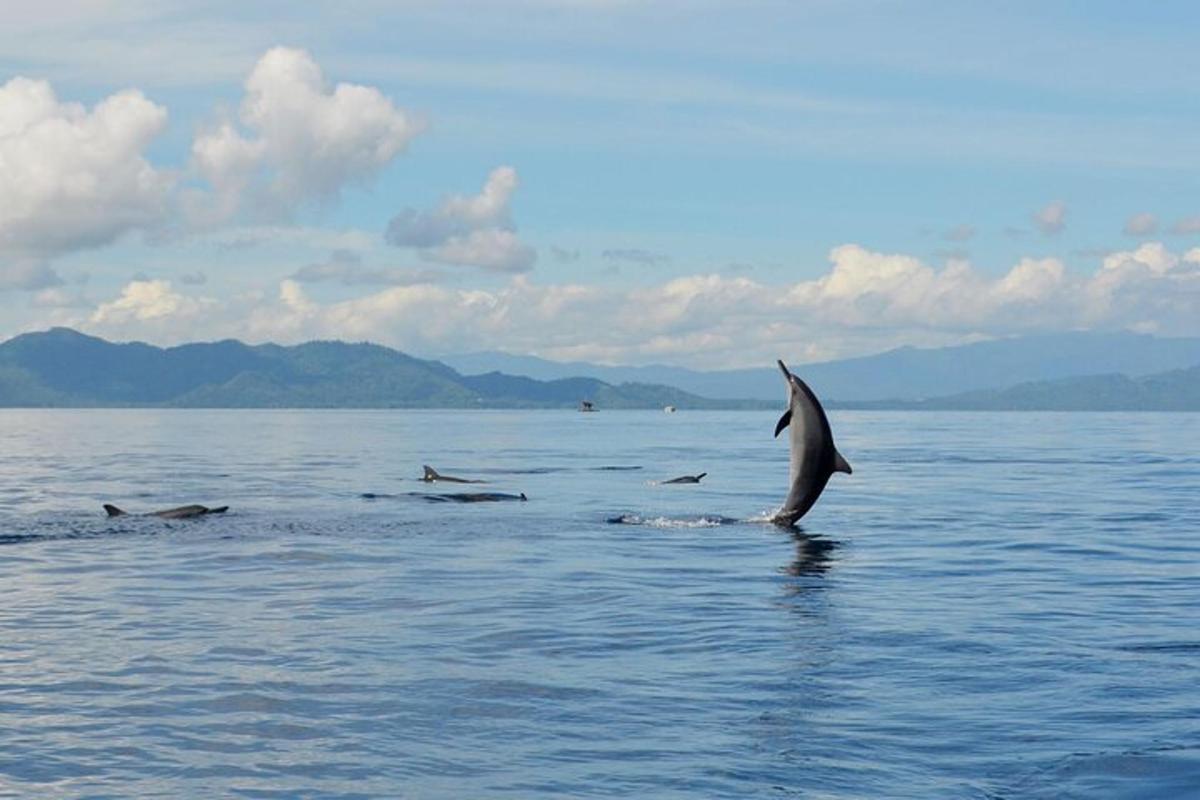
(431, 474)
(784, 421)
(840, 464)
(113, 511)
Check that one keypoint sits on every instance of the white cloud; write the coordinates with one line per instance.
(1052, 219)
(475, 230)
(306, 140)
(71, 178)
(866, 302)
(490, 249)
(149, 302)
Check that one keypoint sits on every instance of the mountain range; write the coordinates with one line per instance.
(903, 374)
(64, 368)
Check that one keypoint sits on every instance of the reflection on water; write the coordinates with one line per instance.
(945, 626)
(814, 554)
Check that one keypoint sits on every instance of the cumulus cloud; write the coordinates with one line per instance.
(72, 178)
(475, 230)
(866, 301)
(346, 268)
(305, 140)
(1142, 224)
(1052, 219)
(146, 300)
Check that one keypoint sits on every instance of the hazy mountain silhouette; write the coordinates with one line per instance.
(62, 367)
(1175, 390)
(907, 373)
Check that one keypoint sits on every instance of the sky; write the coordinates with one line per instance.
(691, 182)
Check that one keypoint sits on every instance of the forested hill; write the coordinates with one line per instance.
(65, 368)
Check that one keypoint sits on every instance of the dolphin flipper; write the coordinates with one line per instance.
(784, 421)
(840, 464)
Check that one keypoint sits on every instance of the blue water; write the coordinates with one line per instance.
(991, 606)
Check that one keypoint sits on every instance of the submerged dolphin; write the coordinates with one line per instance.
(687, 478)
(450, 497)
(473, 497)
(182, 512)
(432, 476)
(814, 458)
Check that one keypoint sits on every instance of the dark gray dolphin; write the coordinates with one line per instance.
(473, 497)
(814, 458)
(450, 497)
(687, 478)
(432, 476)
(182, 512)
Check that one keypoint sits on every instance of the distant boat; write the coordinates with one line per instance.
(586, 405)
(669, 409)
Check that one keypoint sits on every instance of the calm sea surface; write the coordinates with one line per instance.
(991, 606)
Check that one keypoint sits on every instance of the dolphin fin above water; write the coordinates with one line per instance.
(813, 455)
(687, 478)
(433, 476)
(180, 512)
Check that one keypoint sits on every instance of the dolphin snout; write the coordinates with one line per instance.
(782, 366)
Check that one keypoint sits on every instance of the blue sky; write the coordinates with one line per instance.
(712, 184)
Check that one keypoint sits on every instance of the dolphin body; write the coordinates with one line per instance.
(450, 497)
(814, 458)
(687, 478)
(182, 512)
(433, 476)
(474, 497)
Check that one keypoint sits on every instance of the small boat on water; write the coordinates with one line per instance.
(669, 409)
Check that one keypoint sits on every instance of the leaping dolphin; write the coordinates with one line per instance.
(182, 512)
(432, 476)
(814, 458)
(687, 478)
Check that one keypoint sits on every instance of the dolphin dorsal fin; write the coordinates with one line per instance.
(784, 421)
(701, 475)
(113, 511)
(430, 473)
(840, 464)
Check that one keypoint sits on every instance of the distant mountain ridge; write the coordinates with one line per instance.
(65, 368)
(906, 373)
(1175, 390)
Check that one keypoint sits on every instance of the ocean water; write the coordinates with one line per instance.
(991, 606)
